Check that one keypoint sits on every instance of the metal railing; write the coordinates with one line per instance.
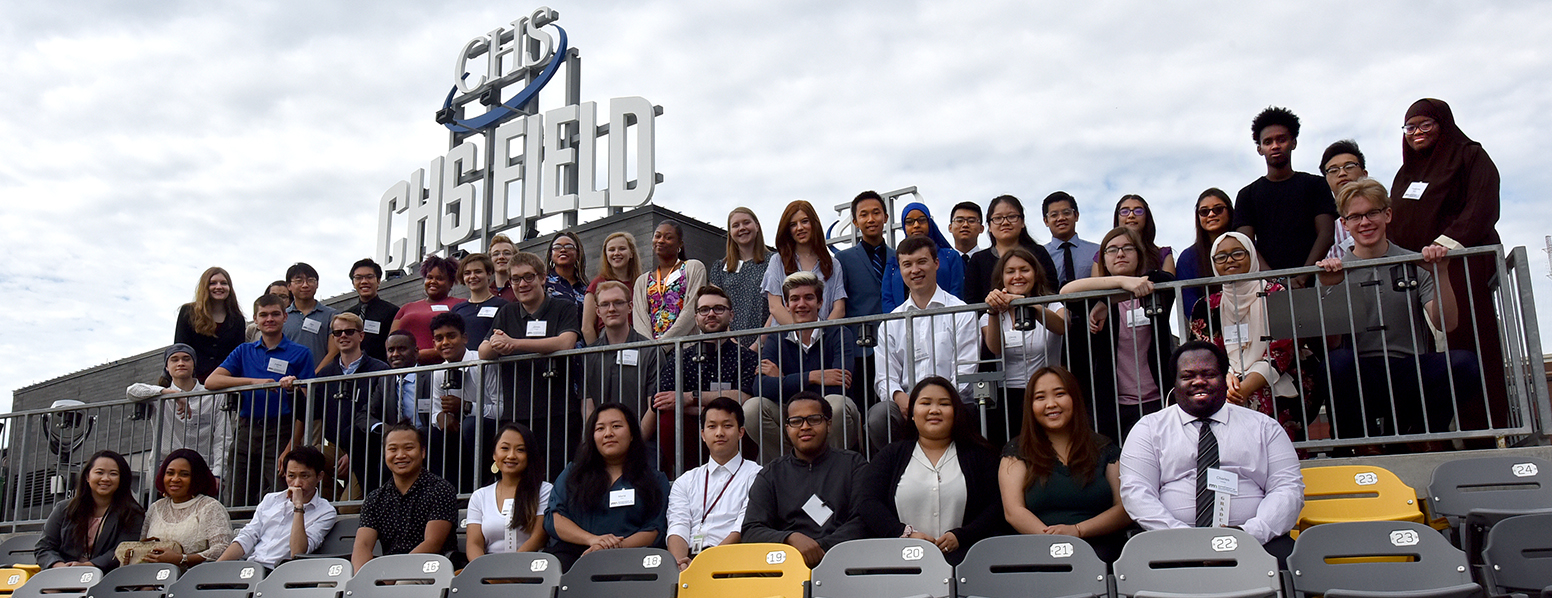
(1322, 338)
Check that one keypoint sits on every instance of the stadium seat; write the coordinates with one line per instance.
(622, 572)
(221, 579)
(1356, 493)
(1518, 555)
(767, 570)
(883, 568)
(12, 578)
(1338, 561)
(340, 540)
(508, 575)
(141, 580)
(309, 578)
(1476, 493)
(1032, 566)
(401, 576)
(19, 550)
(63, 582)
(1196, 561)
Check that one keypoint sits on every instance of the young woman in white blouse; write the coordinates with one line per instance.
(188, 514)
(1019, 275)
(520, 489)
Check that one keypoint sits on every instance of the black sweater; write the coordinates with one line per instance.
(781, 489)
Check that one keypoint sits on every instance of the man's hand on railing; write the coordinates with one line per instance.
(1333, 274)
(286, 382)
(1436, 254)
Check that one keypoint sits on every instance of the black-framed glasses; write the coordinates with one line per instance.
(526, 278)
(1348, 167)
(1371, 215)
(307, 280)
(812, 420)
(1120, 249)
(922, 221)
(363, 277)
(1008, 218)
(1236, 255)
(1426, 126)
(966, 221)
(1211, 211)
(343, 332)
(563, 247)
(1137, 211)
(706, 310)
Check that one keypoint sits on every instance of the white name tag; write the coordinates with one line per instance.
(373, 327)
(817, 510)
(277, 366)
(1135, 317)
(423, 405)
(439, 308)
(487, 312)
(312, 326)
(1219, 480)
(537, 328)
(716, 386)
(1415, 190)
(622, 498)
(1010, 337)
(1236, 334)
(626, 357)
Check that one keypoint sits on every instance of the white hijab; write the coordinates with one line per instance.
(1242, 303)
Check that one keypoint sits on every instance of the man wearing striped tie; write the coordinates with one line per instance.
(1205, 462)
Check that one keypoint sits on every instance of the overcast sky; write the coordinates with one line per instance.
(144, 142)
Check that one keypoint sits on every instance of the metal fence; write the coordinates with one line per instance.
(1350, 370)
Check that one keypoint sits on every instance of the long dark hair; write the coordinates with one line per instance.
(1204, 239)
(1041, 288)
(964, 432)
(204, 482)
(81, 506)
(1034, 446)
(526, 501)
(1024, 239)
(1148, 252)
(588, 483)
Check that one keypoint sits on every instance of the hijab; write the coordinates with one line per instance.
(932, 226)
(1456, 179)
(1242, 303)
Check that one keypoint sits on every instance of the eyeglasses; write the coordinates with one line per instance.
(1348, 167)
(1119, 250)
(563, 247)
(526, 278)
(1426, 126)
(613, 305)
(964, 221)
(363, 277)
(309, 280)
(1137, 211)
(1371, 216)
(1008, 218)
(922, 221)
(706, 310)
(1211, 211)
(344, 332)
(1067, 213)
(812, 420)
(1236, 255)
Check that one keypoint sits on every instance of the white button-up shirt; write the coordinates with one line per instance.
(932, 498)
(267, 538)
(945, 345)
(1158, 470)
(474, 385)
(693, 503)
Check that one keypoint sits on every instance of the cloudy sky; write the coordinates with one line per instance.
(144, 142)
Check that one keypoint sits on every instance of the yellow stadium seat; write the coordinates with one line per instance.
(1356, 493)
(749, 570)
(12, 578)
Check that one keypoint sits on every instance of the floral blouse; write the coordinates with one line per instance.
(1281, 353)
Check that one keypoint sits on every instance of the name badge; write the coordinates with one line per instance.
(1415, 190)
(817, 510)
(627, 357)
(1219, 480)
(277, 366)
(488, 312)
(537, 328)
(1135, 317)
(622, 498)
(697, 543)
(717, 386)
(372, 327)
(423, 405)
(1010, 337)
(312, 326)
(439, 308)
(921, 353)
(1237, 334)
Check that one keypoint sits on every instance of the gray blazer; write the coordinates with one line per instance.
(55, 546)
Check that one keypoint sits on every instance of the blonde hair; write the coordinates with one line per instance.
(203, 306)
(733, 254)
(353, 319)
(1369, 188)
(613, 285)
(632, 269)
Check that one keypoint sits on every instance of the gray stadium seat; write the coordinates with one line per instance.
(1360, 559)
(401, 576)
(1474, 494)
(1518, 555)
(340, 541)
(19, 550)
(1031, 566)
(309, 578)
(142, 580)
(222, 579)
(1196, 561)
(633, 572)
(64, 582)
(508, 575)
(883, 568)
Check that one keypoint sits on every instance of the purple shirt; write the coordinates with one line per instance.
(1135, 382)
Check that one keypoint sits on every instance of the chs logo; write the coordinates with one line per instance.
(528, 46)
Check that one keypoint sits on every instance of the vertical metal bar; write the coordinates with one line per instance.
(1536, 394)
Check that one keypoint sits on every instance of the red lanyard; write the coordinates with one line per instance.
(705, 510)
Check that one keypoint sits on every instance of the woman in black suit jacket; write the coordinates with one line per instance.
(940, 486)
(87, 528)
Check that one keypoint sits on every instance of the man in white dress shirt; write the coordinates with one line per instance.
(947, 345)
(1174, 473)
(290, 522)
(706, 504)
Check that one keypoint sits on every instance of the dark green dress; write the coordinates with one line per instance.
(1062, 500)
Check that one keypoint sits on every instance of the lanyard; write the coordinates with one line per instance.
(659, 286)
(705, 510)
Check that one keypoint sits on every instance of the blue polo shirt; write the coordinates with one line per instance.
(252, 360)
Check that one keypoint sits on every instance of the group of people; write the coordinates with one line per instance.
(1090, 443)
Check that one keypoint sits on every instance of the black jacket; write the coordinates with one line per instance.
(358, 403)
(983, 509)
(54, 546)
(781, 489)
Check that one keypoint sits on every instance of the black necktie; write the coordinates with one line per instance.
(877, 257)
(1206, 458)
(1067, 275)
